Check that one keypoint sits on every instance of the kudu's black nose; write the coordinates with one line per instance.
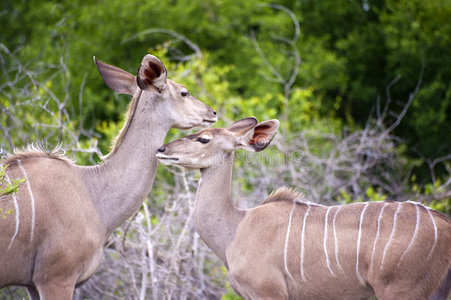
(161, 149)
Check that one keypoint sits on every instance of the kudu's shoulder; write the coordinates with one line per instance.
(425, 210)
(35, 151)
(284, 193)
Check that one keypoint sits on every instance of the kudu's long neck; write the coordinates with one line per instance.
(119, 186)
(216, 216)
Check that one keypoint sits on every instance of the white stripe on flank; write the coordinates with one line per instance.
(378, 232)
(391, 234)
(16, 207)
(302, 242)
(285, 250)
(33, 215)
(336, 240)
(325, 242)
(362, 215)
(417, 224)
(435, 233)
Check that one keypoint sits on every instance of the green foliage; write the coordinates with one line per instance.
(5, 213)
(230, 294)
(9, 188)
(349, 50)
(429, 189)
(371, 194)
(344, 197)
(443, 205)
(378, 41)
(417, 33)
(374, 195)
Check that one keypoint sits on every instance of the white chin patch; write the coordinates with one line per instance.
(206, 123)
(167, 160)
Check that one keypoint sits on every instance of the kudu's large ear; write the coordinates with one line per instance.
(258, 137)
(152, 75)
(243, 124)
(116, 79)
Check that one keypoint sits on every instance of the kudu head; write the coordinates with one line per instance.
(207, 147)
(183, 110)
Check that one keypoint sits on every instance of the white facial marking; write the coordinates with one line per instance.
(16, 207)
(285, 250)
(335, 239)
(377, 233)
(417, 224)
(302, 242)
(205, 136)
(362, 215)
(325, 242)
(33, 216)
(392, 234)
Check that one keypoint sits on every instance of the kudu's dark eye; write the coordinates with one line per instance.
(185, 94)
(203, 140)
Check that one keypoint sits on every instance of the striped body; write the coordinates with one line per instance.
(392, 249)
(290, 249)
(31, 218)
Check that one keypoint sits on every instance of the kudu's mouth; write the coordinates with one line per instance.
(208, 123)
(161, 156)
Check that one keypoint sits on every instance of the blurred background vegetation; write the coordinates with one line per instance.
(366, 79)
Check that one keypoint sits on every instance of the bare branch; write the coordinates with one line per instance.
(276, 74)
(179, 36)
(408, 103)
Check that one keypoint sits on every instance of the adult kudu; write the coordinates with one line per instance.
(288, 248)
(63, 213)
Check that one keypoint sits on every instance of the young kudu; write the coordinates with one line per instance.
(288, 248)
(63, 213)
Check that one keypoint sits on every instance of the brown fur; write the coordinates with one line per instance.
(258, 274)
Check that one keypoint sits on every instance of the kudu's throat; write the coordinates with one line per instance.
(216, 216)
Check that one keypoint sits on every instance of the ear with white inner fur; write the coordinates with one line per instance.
(152, 75)
(259, 137)
(116, 79)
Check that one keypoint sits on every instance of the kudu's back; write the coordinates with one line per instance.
(307, 251)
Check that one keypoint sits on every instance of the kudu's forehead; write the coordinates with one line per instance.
(211, 132)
